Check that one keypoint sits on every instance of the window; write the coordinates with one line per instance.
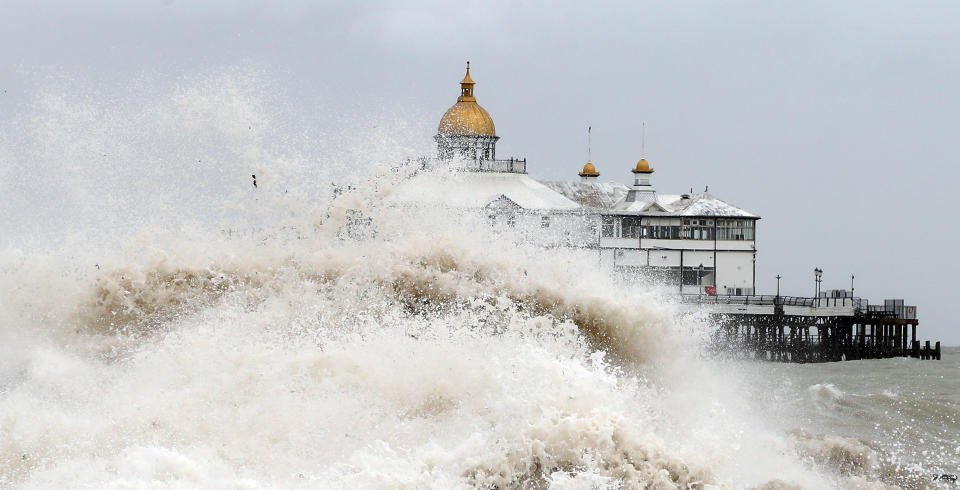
(631, 226)
(697, 229)
(607, 226)
(544, 222)
(697, 276)
(735, 229)
(662, 228)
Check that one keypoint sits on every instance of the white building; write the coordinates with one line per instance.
(697, 242)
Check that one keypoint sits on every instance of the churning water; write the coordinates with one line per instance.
(143, 346)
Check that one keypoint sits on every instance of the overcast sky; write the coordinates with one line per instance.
(834, 121)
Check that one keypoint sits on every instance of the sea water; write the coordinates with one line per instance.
(158, 337)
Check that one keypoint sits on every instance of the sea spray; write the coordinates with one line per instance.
(409, 362)
(427, 350)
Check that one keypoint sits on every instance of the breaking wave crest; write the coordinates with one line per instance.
(411, 362)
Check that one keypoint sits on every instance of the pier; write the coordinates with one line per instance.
(798, 329)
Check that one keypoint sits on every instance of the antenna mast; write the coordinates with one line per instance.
(589, 144)
(643, 141)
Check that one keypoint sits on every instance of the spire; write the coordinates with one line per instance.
(589, 143)
(589, 172)
(643, 141)
(466, 87)
(642, 166)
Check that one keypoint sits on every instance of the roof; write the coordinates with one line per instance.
(467, 117)
(479, 189)
(701, 204)
(591, 194)
(641, 206)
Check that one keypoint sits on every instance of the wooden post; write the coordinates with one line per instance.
(905, 344)
(936, 351)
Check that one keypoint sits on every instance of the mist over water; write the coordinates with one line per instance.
(163, 324)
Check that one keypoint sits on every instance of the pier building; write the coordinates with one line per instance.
(694, 242)
(702, 246)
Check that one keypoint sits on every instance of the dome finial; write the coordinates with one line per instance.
(466, 86)
(466, 79)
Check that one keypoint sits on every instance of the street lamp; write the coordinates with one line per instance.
(851, 285)
(700, 279)
(817, 279)
(778, 285)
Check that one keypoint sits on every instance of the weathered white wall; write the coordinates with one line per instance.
(734, 270)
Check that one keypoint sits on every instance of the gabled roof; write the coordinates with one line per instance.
(502, 203)
(598, 195)
(702, 204)
(640, 207)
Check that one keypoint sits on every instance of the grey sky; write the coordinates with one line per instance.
(835, 121)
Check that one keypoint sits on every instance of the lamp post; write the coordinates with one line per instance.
(700, 279)
(820, 283)
(851, 285)
(778, 285)
(817, 279)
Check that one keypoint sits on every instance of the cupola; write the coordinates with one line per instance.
(642, 167)
(466, 130)
(466, 117)
(589, 173)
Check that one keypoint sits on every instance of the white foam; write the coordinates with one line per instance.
(431, 354)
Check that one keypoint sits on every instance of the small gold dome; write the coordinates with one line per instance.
(643, 167)
(589, 171)
(466, 117)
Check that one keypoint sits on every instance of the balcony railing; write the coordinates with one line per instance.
(512, 165)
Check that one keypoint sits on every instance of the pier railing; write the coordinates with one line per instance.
(857, 303)
(857, 306)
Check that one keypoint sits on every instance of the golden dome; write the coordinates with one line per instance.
(643, 167)
(589, 171)
(466, 117)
